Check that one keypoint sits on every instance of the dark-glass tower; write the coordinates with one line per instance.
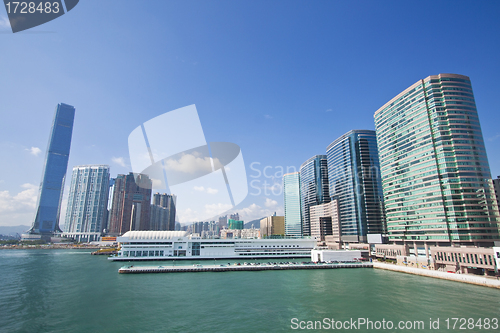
(354, 178)
(313, 188)
(436, 177)
(54, 171)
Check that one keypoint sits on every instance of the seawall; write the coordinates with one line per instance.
(466, 278)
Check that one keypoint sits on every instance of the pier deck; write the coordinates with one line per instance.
(233, 268)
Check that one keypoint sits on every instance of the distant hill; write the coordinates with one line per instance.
(256, 224)
(13, 230)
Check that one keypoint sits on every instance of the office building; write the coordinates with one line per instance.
(50, 194)
(293, 213)
(496, 187)
(435, 174)
(131, 204)
(354, 179)
(234, 216)
(325, 222)
(86, 212)
(313, 187)
(163, 212)
(272, 227)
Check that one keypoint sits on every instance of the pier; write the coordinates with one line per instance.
(236, 268)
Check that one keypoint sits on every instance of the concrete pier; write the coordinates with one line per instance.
(467, 278)
(236, 268)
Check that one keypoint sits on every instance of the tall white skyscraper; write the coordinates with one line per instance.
(88, 199)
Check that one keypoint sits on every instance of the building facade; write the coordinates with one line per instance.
(48, 208)
(235, 224)
(496, 187)
(436, 177)
(293, 214)
(325, 221)
(88, 199)
(163, 212)
(354, 181)
(272, 226)
(313, 187)
(131, 204)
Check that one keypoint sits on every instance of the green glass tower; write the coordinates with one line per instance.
(435, 174)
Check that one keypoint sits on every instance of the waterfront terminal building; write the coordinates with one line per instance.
(169, 245)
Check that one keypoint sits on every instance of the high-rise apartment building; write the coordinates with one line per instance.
(88, 199)
(293, 214)
(435, 174)
(235, 224)
(163, 212)
(131, 204)
(222, 222)
(50, 194)
(313, 187)
(272, 226)
(354, 179)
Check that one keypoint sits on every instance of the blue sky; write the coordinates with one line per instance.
(282, 79)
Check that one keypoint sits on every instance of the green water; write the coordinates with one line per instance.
(72, 291)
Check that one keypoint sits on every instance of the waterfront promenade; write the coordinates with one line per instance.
(232, 268)
(467, 278)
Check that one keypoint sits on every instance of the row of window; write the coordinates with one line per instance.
(469, 258)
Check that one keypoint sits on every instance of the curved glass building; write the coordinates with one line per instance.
(354, 180)
(313, 188)
(436, 177)
(54, 172)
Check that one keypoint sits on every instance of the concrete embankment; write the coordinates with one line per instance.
(467, 278)
(232, 268)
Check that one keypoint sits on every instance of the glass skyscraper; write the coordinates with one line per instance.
(436, 177)
(313, 188)
(293, 215)
(54, 172)
(88, 199)
(354, 180)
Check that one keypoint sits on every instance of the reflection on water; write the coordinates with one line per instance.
(72, 291)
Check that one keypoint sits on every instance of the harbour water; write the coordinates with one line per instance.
(72, 291)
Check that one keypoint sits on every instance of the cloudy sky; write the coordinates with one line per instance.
(281, 79)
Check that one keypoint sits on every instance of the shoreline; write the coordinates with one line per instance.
(464, 278)
(51, 247)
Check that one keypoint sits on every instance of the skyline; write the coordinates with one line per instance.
(241, 66)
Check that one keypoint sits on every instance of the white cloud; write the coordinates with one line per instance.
(4, 22)
(268, 116)
(34, 151)
(212, 190)
(329, 110)
(208, 190)
(18, 209)
(189, 163)
(216, 209)
(119, 160)
(270, 203)
(493, 138)
(255, 211)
